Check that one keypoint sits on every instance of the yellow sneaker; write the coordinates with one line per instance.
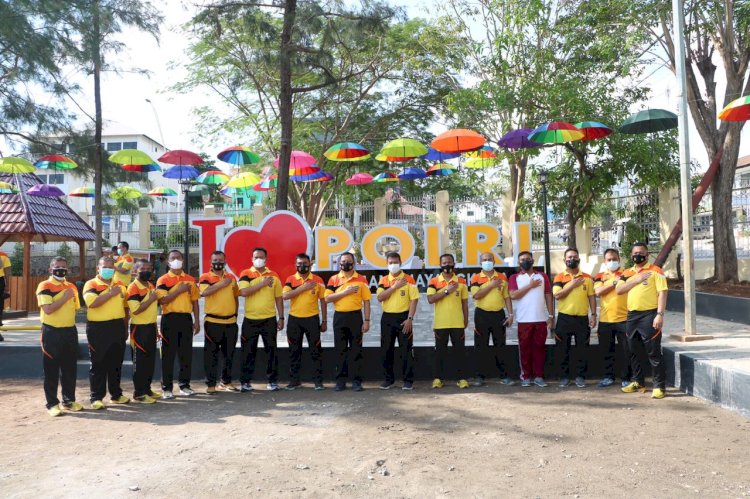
(462, 383)
(155, 394)
(55, 411)
(437, 383)
(122, 399)
(145, 399)
(98, 405)
(211, 390)
(227, 387)
(633, 387)
(658, 393)
(73, 407)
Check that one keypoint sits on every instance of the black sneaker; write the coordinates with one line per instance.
(319, 387)
(357, 386)
(386, 385)
(340, 386)
(408, 385)
(1, 338)
(293, 385)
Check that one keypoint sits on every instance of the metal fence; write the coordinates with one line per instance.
(703, 222)
(620, 221)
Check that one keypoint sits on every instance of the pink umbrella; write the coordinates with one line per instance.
(181, 157)
(359, 179)
(299, 159)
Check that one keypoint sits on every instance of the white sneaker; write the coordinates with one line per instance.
(540, 382)
(187, 391)
(272, 387)
(167, 395)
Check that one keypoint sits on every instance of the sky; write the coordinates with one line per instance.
(124, 95)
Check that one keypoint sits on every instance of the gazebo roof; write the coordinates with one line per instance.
(44, 218)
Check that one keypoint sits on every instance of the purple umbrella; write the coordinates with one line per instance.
(45, 190)
(518, 139)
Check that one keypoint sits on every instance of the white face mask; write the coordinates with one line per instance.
(175, 264)
(259, 263)
(613, 265)
(394, 268)
(487, 266)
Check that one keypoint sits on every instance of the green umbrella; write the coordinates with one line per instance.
(15, 165)
(648, 121)
(131, 157)
(125, 192)
(404, 148)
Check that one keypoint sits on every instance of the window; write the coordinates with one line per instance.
(56, 178)
(43, 178)
(114, 146)
(130, 145)
(469, 213)
(58, 148)
(71, 148)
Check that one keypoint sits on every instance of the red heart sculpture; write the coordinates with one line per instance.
(282, 233)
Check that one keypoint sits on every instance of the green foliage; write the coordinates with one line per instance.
(633, 232)
(65, 252)
(16, 259)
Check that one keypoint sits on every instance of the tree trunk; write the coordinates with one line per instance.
(517, 181)
(286, 107)
(725, 248)
(572, 220)
(99, 153)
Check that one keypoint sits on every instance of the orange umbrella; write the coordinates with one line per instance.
(458, 140)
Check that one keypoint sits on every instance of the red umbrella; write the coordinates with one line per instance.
(458, 140)
(181, 157)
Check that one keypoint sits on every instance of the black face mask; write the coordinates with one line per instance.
(572, 263)
(59, 272)
(303, 269)
(144, 275)
(448, 269)
(346, 266)
(218, 267)
(526, 264)
(639, 259)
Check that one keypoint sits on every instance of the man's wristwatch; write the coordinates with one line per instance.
(660, 313)
(445, 291)
(410, 318)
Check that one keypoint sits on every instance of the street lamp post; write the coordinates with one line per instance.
(543, 181)
(186, 184)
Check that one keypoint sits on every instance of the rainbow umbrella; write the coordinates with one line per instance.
(55, 162)
(359, 179)
(482, 152)
(593, 130)
(298, 160)
(441, 170)
(181, 172)
(131, 157)
(162, 192)
(325, 177)
(125, 192)
(6, 188)
(737, 110)
(244, 180)
(181, 157)
(435, 155)
(347, 151)
(235, 191)
(555, 132)
(403, 148)
(238, 155)
(307, 170)
(480, 162)
(310, 177)
(385, 177)
(83, 192)
(45, 190)
(151, 167)
(213, 177)
(267, 184)
(383, 157)
(458, 140)
(13, 164)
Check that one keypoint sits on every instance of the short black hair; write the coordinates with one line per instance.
(139, 262)
(639, 244)
(572, 248)
(114, 249)
(175, 251)
(520, 254)
(258, 248)
(611, 250)
(450, 255)
(302, 256)
(393, 254)
(124, 243)
(347, 253)
(219, 252)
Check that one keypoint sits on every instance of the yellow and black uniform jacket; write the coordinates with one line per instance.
(354, 301)
(449, 312)
(49, 292)
(305, 304)
(261, 304)
(183, 304)
(577, 301)
(221, 307)
(494, 301)
(137, 292)
(644, 296)
(114, 308)
(613, 307)
(400, 301)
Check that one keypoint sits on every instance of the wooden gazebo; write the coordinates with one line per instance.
(28, 219)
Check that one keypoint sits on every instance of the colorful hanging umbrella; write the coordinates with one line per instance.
(385, 177)
(593, 130)
(238, 155)
(45, 190)
(556, 132)
(347, 151)
(13, 164)
(359, 179)
(213, 177)
(518, 139)
(235, 191)
(181, 172)
(83, 192)
(737, 110)
(131, 157)
(441, 170)
(151, 167)
(308, 177)
(325, 177)
(244, 180)
(383, 157)
(480, 162)
(267, 184)
(402, 148)
(412, 174)
(307, 170)
(458, 140)
(648, 121)
(7, 188)
(125, 192)
(482, 152)
(435, 155)
(298, 160)
(181, 157)
(162, 192)
(55, 162)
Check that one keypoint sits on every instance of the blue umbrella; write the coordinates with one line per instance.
(413, 174)
(181, 172)
(435, 155)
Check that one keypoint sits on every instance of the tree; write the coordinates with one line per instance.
(715, 30)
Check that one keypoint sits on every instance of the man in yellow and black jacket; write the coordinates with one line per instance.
(58, 302)
(106, 331)
(4, 275)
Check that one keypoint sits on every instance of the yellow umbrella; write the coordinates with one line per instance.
(244, 180)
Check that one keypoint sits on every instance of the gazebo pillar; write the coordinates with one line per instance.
(82, 259)
(26, 271)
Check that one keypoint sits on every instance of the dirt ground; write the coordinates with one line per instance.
(741, 289)
(483, 442)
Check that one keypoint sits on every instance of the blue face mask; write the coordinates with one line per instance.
(107, 274)
(487, 266)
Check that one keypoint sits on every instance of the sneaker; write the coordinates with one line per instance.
(478, 381)
(272, 387)
(55, 411)
(319, 387)
(538, 381)
(73, 407)
(211, 390)
(386, 385)
(1, 338)
(633, 387)
(340, 386)
(227, 387)
(437, 383)
(525, 382)
(625, 383)
(155, 394)
(246, 387)
(167, 395)
(564, 382)
(122, 399)
(186, 391)
(408, 385)
(145, 399)
(293, 385)
(462, 383)
(97, 405)
(580, 382)
(658, 393)
(357, 386)
(606, 382)
(507, 381)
